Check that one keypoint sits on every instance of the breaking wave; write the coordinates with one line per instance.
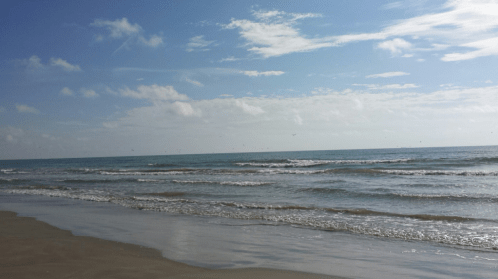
(451, 230)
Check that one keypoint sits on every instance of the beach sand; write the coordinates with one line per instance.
(33, 249)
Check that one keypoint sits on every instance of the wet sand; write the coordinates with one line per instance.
(33, 249)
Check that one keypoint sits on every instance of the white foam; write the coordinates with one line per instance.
(235, 183)
(142, 173)
(448, 232)
(441, 172)
(309, 163)
(281, 171)
(148, 180)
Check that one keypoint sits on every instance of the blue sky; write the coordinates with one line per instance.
(118, 78)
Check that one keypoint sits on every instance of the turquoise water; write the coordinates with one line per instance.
(443, 201)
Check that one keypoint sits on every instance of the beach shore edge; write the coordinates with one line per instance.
(32, 248)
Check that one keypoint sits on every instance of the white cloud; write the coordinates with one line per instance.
(267, 73)
(194, 82)
(395, 46)
(280, 16)
(254, 110)
(229, 59)
(333, 119)
(122, 29)
(66, 91)
(182, 108)
(448, 86)
(434, 47)
(298, 120)
(388, 75)
(274, 34)
(485, 47)
(118, 28)
(13, 135)
(47, 136)
(407, 55)
(226, 95)
(27, 109)
(388, 86)
(154, 41)
(110, 125)
(153, 93)
(465, 23)
(88, 93)
(34, 62)
(393, 5)
(198, 43)
(64, 65)
(358, 104)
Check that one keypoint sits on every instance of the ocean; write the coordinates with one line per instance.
(379, 213)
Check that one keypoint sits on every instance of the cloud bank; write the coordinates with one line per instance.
(467, 24)
(331, 120)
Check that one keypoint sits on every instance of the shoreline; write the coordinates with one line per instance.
(33, 248)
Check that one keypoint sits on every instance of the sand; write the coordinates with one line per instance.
(33, 249)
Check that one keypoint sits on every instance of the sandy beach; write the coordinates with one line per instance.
(34, 249)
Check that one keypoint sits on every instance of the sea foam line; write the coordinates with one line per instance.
(381, 224)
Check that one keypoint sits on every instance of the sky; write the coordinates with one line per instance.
(123, 78)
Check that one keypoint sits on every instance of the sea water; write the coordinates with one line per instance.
(413, 213)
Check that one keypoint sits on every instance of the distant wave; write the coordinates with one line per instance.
(148, 172)
(96, 181)
(235, 183)
(11, 171)
(149, 180)
(284, 170)
(441, 172)
(158, 165)
(384, 193)
(451, 197)
(37, 188)
(310, 163)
